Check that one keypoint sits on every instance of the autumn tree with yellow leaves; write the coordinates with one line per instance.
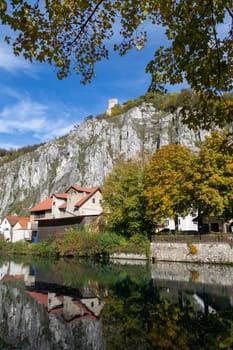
(213, 177)
(169, 183)
(178, 181)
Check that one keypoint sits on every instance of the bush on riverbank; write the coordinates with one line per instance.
(79, 243)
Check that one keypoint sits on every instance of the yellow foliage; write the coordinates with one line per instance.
(193, 249)
(195, 275)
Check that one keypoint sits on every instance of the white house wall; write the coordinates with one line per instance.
(4, 270)
(186, 223)
(6, 229)
(18, 269)
(92, 206)
(13, 269)
(72, 198)
(21, 235)
(56, 203)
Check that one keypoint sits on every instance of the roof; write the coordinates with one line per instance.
(13, 219)
(82, 189)
(10, 278)
(60, 195)
(46, 204)
(23, 221)
(63, 206)
(42, 298)
(89, 195)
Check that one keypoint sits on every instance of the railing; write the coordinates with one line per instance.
(203, 238)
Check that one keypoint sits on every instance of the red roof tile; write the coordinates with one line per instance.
(60, 195)
(12, 219)
(44, 205)
(10, 278)
(40, 297)
(20, 219)
(81, 189)
(23, 221)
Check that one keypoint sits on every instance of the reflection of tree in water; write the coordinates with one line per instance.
(136, 317)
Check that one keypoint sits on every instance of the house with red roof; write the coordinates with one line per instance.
(75, 202)
(82, 201)
(49, 208)
(15, 228)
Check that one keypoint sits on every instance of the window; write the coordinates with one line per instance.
(93, 200)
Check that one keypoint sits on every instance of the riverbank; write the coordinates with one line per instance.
(76, 243)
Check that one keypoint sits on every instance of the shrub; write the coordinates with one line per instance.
(193, 249)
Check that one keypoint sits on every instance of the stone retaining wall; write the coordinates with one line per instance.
(217, 275)
(128, 256)
(196, 252)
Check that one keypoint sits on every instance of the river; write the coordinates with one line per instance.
(81, 304)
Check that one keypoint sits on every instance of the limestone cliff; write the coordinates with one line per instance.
(87, 154)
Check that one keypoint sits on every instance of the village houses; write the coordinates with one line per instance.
(15, 228)
(78, 205)
(76, 201)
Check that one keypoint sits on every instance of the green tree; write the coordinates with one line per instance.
(168, 183)
(124, 202)
(74, 34)
(213, 177)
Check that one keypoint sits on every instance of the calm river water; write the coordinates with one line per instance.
(79, 304)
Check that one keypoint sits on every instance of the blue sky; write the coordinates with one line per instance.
(36, 107)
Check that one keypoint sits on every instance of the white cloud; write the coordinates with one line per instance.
(15, 64)
(9, 145)
(26, 118)
(23, 116)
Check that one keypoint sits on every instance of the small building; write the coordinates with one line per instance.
(15, 228)
(77, 206)
(185, 223)
(76, 201)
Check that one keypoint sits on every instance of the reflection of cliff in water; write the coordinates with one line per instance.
(58, 305)
(209, 288)
(42, 315)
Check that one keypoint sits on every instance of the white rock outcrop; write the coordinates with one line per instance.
(87, 154)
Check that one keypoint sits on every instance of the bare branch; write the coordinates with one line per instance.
(216, 44)
(87, 21)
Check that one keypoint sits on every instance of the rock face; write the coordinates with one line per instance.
(25, 324)
(87, 154)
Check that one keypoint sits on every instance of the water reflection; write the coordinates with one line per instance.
(68, 304)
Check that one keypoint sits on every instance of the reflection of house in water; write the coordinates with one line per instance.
(10, 271)
(42, 315)
(72, 304)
